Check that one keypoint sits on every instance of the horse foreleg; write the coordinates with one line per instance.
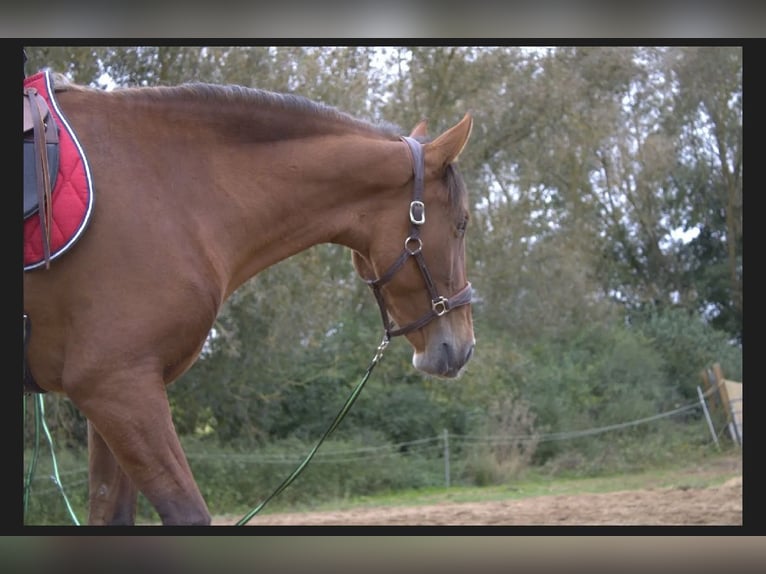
(130, 415)
(113, 495)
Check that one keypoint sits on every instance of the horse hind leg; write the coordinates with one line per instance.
(134, 445)
(113, 495)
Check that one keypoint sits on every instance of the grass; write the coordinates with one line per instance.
(709, 472)
(694, 471)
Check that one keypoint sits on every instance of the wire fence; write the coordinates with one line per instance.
(442, 444)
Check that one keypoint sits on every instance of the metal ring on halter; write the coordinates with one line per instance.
(440, 306)
(415, 251)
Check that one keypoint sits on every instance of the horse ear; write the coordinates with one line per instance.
(420, 130)
(448, 146)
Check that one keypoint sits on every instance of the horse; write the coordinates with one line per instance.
(198, 187)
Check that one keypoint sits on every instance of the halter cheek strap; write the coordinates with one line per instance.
(413, 247)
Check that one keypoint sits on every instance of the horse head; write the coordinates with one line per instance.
(416, 267)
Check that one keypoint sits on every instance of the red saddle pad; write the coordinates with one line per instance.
(72, 197)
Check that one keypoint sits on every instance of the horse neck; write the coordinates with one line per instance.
(244, 186)
(288, 196)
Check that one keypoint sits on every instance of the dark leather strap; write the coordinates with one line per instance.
(42, 135)
(30, 385)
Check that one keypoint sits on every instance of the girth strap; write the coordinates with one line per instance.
(30, 385)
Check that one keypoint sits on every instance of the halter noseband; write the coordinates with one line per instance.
(413, 247)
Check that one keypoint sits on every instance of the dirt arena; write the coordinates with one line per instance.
(660, 506)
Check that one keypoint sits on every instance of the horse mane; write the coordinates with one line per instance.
(233, 94)
(237, 95)
(61, 83)
(246, 96)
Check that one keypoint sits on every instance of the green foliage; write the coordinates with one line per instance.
(46, 505)
(631, 450)
(235, 480)
(689, 345)
(64, 421)
(511, 442)
(598, 375)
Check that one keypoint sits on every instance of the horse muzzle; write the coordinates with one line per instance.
(444, 357)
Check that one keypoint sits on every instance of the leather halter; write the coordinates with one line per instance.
(413, 247)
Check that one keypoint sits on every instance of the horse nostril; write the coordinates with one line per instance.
(451, 357)
(448, 353)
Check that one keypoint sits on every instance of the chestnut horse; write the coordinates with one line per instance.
(198, 188)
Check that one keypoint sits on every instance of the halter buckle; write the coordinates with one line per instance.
(440, 306)
(419, 217)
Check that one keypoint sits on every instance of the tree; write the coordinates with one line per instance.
(709, 125)
(584, 164)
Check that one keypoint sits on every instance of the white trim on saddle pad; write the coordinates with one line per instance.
(65, 131)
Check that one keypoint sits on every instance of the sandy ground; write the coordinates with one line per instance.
(681, 505)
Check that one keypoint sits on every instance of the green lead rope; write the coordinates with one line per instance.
(339, 417)
(35, 453)
(40, 422)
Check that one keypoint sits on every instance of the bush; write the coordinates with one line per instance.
(598, 376)
(232, 479)
(45, 503)
(509, 428)
(688, 345)
(633, 449)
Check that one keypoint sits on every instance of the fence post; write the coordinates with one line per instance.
(446, 457)
(707, 417)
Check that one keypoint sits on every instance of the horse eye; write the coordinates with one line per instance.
(462, 225)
